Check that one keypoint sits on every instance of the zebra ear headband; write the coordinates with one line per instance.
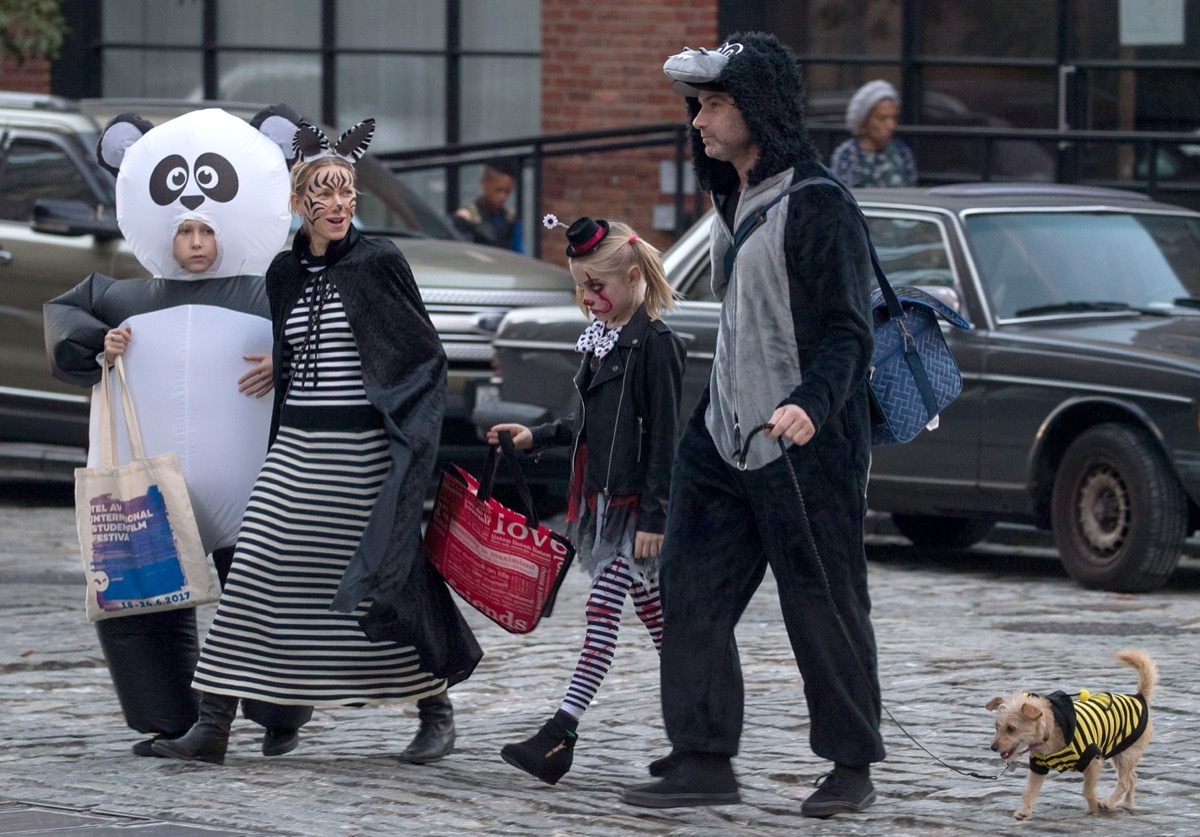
(310, 142)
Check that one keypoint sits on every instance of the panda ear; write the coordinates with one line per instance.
(122, 131)
(279, 123)
(353, 144)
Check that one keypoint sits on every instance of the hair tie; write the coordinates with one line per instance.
(632, 239)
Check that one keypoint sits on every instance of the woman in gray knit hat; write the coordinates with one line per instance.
(873, 156)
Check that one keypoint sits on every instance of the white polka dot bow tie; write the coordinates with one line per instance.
(597, 339)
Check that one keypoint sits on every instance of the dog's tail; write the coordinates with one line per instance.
(1147, 672)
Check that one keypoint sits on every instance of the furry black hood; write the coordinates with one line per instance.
(764, 80)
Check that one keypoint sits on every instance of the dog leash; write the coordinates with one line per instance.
(838, 614)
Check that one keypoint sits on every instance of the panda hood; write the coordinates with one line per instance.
(209, 166)
(762, 77)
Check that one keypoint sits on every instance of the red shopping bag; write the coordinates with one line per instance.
(501, 562)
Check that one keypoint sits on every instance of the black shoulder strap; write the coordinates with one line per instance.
(760, 215)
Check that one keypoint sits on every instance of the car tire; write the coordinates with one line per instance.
(1118, 513)
(932, 532)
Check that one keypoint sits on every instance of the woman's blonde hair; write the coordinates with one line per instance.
(303, 173)
(621, 249)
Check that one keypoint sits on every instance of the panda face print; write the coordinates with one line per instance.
(213, 176)
(212, 167)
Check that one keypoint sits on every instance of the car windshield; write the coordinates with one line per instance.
(1037, 263)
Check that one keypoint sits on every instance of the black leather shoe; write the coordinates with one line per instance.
(844, 790)
(280, 740)
(696, 779)
(435, 736)
(547, 755)
(146, 748)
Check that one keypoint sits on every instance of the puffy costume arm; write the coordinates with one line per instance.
(75, 331)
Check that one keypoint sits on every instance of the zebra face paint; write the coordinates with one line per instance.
(327, 205)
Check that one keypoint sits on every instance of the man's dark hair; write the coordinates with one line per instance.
(505, 165)
(764, 80)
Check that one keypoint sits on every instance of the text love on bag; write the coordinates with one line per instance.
(501, 562)
(138, 537)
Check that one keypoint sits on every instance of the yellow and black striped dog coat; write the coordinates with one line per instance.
(1094, 726)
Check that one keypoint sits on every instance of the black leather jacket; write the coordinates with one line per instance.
(629, 417)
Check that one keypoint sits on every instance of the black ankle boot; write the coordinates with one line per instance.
(208, 738)
(435, 737)
(549, 754)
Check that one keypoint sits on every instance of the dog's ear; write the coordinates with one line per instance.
(993, 703)
(1031, 711)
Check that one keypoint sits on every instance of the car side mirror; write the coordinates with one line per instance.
(946, 295)
(58, 217)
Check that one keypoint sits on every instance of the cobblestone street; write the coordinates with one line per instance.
(953, 631)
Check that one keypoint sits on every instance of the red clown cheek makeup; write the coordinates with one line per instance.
(600, 304)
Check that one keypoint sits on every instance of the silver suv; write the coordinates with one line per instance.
(58, 224)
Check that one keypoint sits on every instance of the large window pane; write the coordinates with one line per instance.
(501, 98)
(405, 94)
(290, 23)
(135, 72)
(995, 28)
(1020, 97)
(502, 25)
(268, 78)
(152, 22)
(393, 24)
(859, 27)
(1096, 33)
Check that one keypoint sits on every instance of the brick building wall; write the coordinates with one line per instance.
(32, 76)
(602, 68)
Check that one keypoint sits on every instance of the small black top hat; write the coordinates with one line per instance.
(584, 235)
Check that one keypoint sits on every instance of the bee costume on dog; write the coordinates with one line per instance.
(1095, 726)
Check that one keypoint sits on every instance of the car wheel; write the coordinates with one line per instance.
(934, 532)
(1118, 513)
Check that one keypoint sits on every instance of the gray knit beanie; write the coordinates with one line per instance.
(864, 99)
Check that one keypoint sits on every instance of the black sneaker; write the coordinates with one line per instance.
(278, 741)
(844, 790)
(694, 779)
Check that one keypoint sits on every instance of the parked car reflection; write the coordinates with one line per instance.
(1079, 411)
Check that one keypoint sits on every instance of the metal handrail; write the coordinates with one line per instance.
(532, 151)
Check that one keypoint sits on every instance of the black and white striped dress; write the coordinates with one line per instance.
(274, 637)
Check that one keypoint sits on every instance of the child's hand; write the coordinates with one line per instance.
(257, 382)
(522, 438)
(647, 545)
(115, 343)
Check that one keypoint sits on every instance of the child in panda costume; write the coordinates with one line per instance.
(203, 202)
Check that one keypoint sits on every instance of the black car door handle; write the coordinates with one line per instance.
(5, 255)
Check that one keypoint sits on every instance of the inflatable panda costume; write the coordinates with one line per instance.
(191, 334)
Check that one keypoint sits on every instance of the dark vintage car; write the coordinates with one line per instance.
(1079, 410)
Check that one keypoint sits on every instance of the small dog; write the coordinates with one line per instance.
(1064, 732)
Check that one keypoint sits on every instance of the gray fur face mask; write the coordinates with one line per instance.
(697, 70)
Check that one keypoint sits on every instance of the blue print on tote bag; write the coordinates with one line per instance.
(133, 552)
